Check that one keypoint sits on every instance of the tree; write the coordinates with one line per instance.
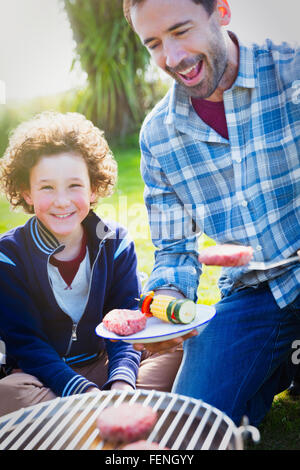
(115, 62)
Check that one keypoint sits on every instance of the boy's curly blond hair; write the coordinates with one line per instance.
(52, 133)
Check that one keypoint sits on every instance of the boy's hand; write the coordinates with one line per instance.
(165, 346)
(92, 389)
(120, 385)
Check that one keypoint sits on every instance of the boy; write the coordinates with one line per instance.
(65, 269)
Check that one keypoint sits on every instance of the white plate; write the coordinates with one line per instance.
(158, 330)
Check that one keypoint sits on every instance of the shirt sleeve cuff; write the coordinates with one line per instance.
(78, 384)
(121, 373)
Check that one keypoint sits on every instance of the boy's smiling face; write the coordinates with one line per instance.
(60, 192)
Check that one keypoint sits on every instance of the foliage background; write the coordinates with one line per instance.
(118, 92)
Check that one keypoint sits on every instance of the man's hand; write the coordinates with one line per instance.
(165, 346)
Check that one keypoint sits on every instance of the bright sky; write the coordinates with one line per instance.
(37, 49)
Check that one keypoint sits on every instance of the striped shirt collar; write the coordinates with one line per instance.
(48, 243)
(42, 237)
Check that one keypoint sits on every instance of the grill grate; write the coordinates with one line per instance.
(69, 423)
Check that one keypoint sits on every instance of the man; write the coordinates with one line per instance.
(220, 155)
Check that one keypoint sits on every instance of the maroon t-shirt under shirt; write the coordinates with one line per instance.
(213, 114)
(68, 269)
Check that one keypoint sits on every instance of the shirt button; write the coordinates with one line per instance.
(238, 160)
(258, 248)
(244, 203)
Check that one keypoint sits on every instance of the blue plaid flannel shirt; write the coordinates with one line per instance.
(244, 191)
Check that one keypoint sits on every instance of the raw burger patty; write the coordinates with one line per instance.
(126, 423)
(143, 445)
(226, 255)
(124, 322)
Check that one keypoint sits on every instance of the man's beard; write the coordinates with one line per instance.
(214, 71)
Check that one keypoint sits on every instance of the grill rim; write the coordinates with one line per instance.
(114, 398)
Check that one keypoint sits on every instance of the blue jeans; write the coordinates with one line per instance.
(242, 359)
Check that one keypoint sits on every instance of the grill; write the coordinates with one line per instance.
(69, 423)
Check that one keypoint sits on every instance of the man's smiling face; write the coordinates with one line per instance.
(184, 41)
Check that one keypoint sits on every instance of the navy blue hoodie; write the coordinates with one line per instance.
(40, 337)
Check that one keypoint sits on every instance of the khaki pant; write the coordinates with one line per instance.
(157, 372)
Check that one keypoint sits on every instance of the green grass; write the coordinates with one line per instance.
(281, 428)
(8, 218)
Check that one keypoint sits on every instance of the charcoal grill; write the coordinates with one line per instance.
(69, 423)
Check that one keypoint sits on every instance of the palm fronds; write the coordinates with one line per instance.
(115, 62)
